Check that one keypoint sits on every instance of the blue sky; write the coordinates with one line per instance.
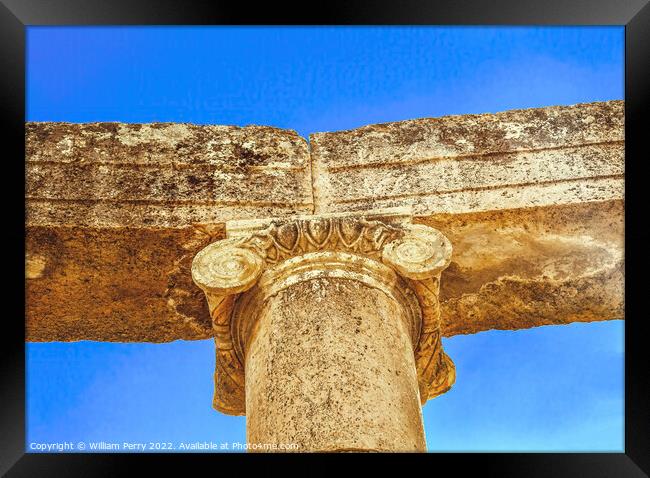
(546, 389)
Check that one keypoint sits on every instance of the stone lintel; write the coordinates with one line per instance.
(532, 201)
(472, 163)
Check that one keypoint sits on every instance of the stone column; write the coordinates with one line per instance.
(327, 330)
(330, 364)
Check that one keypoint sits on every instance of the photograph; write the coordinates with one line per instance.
(324, 239)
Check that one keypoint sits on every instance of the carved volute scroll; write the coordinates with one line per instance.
(383, 250)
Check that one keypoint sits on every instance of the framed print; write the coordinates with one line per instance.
(391, 230)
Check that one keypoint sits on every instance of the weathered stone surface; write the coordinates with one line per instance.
(114, 284)
(470, 163)
(540, 241)
(522, 268)
(347, 383)
(162, 174)
(116, 212)
(532, 201)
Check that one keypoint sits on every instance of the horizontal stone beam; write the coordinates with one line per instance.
(115, 213)
(520, 268)
(470, 163)
(164, 175)
(532, 201)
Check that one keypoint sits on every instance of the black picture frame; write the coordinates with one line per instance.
(15, 15)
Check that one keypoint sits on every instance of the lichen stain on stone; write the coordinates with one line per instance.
(146, 133)
(34, 266)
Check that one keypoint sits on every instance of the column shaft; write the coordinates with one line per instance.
(330, 367)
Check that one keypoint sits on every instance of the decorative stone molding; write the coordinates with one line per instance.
(382, 250)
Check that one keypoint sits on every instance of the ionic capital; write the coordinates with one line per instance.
(382, 250)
